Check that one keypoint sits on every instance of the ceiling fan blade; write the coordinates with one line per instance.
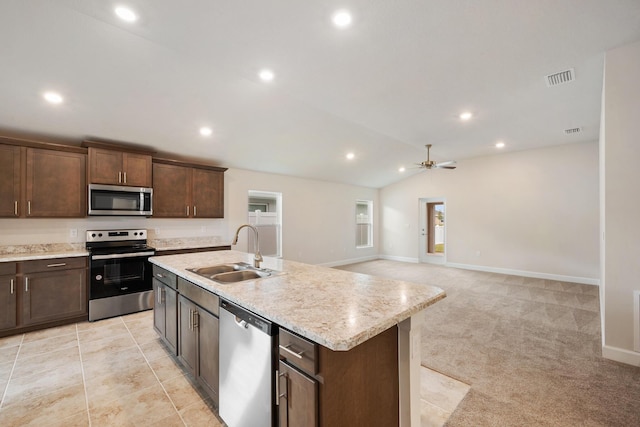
(449, 163)
(445, 167)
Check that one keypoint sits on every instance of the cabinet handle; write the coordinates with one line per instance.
(119, 177)
(160, 275)
(195, 319)
(187, 210)
(15, 208)
(125, 177)
(158, 293)
(29, 207)
(60, 264)
(12, 286)
(195, 212)
(291, 352)
(190, 320)
(26, 284)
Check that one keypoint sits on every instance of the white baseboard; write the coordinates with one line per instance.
(524, 273)
(349, 261)
(399, 258)
(621, 355)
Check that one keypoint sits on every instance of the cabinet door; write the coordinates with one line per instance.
(159, 309)
(8, 289)
(208, 193)
(9, 181)
(171, 191)
(136, 170)
(105, 166)
(208, 361)
(187, 344)
(298, 399)
(54, 295)
(56, 184)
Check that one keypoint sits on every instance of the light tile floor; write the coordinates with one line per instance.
(116, 372)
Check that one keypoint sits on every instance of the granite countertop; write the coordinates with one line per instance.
(186, 243)
(334, 308)
(13, 253)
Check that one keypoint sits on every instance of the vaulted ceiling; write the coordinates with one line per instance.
(396, 79)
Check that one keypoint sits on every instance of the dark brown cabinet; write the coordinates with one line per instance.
(36, 294)
(198, 335)
(40, 182)
(165, 309)
(10, 167)
(119, 168)
(8, 295)
(53, 289)
(55, 184)
(184, 191)
(298, 398)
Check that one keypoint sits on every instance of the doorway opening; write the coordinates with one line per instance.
(265, 213)
(432, 231)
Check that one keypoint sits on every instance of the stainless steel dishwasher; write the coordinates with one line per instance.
(247, 356)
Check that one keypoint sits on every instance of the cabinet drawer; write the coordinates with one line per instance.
(7, 268)
(53, 264)
(299, 352)
(166, 277)
(203, 298)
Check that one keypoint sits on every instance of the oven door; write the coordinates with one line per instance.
(120, 274)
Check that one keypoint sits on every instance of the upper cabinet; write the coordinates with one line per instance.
(42, 180)
(110, 164)
(187, 190)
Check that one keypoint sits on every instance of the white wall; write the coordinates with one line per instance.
(621, 208)
(531, 212)
(318, 219)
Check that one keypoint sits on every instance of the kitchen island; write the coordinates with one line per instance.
(340, 311)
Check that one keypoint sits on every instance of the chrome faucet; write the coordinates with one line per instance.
(257, 258)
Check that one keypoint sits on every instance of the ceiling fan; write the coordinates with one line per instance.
(430, 164)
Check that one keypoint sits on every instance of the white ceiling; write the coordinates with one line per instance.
(394, 81)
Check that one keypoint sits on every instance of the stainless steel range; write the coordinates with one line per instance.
(120, 273)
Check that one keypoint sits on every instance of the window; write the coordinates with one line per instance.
(364, 223)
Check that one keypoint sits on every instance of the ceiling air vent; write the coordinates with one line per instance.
(561, 77)
(572, 131)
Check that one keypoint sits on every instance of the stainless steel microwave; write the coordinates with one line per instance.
(117, 200)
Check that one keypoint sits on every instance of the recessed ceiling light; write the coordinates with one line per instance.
(126, 14)
(342, 19)
(205, 131)
(402, 169)
(466, 115)
(53, 97)
(266, 75)
(499, 144)
(350, 156)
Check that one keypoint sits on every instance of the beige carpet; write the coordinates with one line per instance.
(529, 348)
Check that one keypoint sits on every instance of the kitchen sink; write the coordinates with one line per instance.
(233, 272)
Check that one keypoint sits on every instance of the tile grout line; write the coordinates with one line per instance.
(84, 382)
(154, 373)
(15, 361)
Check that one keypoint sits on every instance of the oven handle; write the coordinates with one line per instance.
(115, 256)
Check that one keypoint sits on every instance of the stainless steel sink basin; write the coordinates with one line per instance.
(233, 272)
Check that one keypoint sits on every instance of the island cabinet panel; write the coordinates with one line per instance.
(298, 398)
(165, 314)
(10, 178)
(183, 191)
(368, 371)
(55, 184)
(198, 330)
(53, 290)
(119, 168)
(8, 295)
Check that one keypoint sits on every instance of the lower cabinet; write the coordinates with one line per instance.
(198, 335)
(298, 397)
(8, 295)
(165, 311)
(42, 293)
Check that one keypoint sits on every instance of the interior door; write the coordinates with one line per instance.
(432, 231)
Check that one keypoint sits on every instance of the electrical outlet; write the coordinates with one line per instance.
(477, 253)
(157, 231)
(73, 232)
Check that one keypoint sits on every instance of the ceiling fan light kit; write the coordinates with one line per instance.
(430, 164)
